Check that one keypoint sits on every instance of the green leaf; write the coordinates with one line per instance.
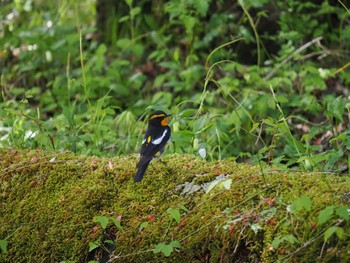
(3, 245)
(165, 249)
(255, 3)
(301, 203)
(202, 123)
(325, 215)
(342, 211)
(176, 55)
(143, 225)
(187, 113)
(103, 220)
(68, 112)
(182, 137)
(183, 208)
(269, 121)
(110, 242)
(117, 224)
(124, 43)
(328, 233)
(331, 230)
(335, 107)
(159, 80)
(93, 245)
(306, 202)
(201, 6)
(175, 244)
(189, 22)
(255, 126)
(169, 65)
(276, 242)
(158, 248)
(135, 11)
(162, 98)
(333, 157)
(17, 91)
(340, 232)
(175, 214)
(129, 2)
(291, 239)
(280, 239)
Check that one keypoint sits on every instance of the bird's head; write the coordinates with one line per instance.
(158, 118)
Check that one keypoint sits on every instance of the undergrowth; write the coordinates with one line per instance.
(274, 94)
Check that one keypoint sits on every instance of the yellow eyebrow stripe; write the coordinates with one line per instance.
(157, 116)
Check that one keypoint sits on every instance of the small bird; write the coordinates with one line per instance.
(156, 137)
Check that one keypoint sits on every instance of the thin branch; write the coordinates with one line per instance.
(299, 50)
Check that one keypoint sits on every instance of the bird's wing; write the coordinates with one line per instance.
(152, 145)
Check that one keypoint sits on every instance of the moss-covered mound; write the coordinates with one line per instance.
(60, 207)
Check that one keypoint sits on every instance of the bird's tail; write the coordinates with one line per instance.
(140, 172)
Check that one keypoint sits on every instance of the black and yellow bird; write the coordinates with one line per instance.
(157, 135)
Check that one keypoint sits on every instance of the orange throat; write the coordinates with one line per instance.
(164, 122)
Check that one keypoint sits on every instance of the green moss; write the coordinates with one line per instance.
(49, 200)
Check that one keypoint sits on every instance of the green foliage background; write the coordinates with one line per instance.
(249, 80)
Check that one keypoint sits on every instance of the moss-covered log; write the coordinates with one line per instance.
(56, 207)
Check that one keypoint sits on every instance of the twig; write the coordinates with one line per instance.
(240, 234)
(309, 242)
(299, 50)
(252, 24)
(219, 47)
(113, 259)
(340, 69)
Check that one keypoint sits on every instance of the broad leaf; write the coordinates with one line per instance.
(343, 212)
(303, 202)
(165, 249)
(117, 224)
(175, 244)
(175, 214)
(280, 239)
(3, 245)
(143, 225)
(93, 245)
(325, 215)
(103, 220)
(331, 230)
(201, 6)
(183, 208)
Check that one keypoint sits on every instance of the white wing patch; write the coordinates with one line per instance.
(160, 139)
